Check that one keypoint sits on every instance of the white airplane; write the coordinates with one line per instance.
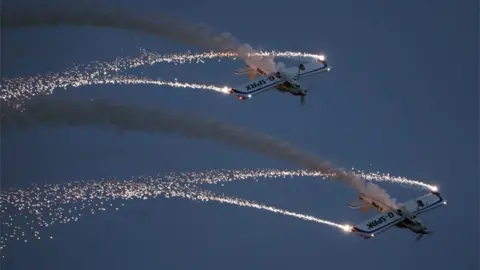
(284, 81)
(404, 217)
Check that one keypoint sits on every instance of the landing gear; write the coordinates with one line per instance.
(302, 100)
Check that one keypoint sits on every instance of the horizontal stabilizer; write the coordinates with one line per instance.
(357, 204)
(243, 70)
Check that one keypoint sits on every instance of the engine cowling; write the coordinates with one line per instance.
(301, 67)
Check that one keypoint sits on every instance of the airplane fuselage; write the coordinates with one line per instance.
(411, 222)
(295, 90)
(286, 87)
(414, 226)
(284, 81)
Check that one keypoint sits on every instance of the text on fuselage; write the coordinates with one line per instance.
(380, 220)
(259, 83)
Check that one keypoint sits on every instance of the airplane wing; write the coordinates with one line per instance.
(308, 69)
(257, 86)
(425, 203)
(377, 224)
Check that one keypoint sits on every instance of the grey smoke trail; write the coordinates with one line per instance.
(127, 118)
(161, 25)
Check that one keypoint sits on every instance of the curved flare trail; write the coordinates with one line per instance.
(20, 89)
(28, 213)
(223, 175)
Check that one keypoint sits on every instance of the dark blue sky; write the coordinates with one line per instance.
(403, 96)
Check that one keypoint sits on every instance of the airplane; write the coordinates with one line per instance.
(404, 217)
(284, 81)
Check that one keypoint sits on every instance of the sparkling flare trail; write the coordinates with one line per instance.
(217, 176)
(20, 88)
(25, 212)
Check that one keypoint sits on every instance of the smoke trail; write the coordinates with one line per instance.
(266, 63)
(156, 24)
(162, 25)
(161, 120)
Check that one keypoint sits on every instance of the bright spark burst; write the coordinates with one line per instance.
(21, 89)
(25, 212)
(347, 228)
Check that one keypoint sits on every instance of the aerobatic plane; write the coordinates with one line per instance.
(404, 217)
(285, 81)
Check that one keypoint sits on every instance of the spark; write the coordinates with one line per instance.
(32, 210)
(175, 84)
(20, 89)
(27, 212)
(347, 228)
(216, 176)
